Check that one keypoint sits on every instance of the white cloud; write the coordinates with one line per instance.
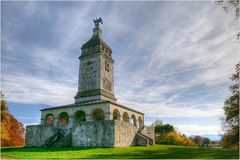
(31, 89)
(159, 59)
(195, 129)
(199, 129)
(177, 109)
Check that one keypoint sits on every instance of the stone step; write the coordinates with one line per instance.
(142, 140)
(59, 139)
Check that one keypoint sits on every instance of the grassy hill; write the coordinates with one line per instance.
(157, 151)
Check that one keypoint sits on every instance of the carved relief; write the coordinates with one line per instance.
(107, 66)
(107, 85)
(89, 74)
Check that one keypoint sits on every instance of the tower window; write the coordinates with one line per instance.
(107, 66)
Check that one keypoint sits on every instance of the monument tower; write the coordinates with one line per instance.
(96, 80)
(95, 118)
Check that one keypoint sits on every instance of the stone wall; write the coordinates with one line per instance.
(107, 133)
(99, 133)
(149, 132)
(124, 134)
(36, 135)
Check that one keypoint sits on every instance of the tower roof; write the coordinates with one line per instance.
(94, 44)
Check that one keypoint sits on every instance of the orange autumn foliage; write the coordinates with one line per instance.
(12, 131)
(174, 138)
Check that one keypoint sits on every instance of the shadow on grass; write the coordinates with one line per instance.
(46, 149)
(173, 153)
(154, 152)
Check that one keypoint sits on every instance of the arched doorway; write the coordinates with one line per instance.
(49, 119)
(98, 114)
(116, 114)
(134, 120)
(63, 118)
(80, 116)
(125, 117)
(140, 121)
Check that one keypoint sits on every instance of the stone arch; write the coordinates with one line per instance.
(134, 120)
(140, 122)
(49, 119)
(116, 114)
(79, 116)
(98, 114)
(63, 119)
(125, 117)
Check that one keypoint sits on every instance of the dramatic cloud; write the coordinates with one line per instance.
(173, 59)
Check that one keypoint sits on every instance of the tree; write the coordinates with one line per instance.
(12, 131)
(206, 141)
(198, 140)
(166, 134)
(231, 114)
(229, 6)
(201, 141)
(174, 138)
(156, 123)
(164, 128)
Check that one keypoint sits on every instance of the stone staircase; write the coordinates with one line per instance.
(61, 138)
(143, 140)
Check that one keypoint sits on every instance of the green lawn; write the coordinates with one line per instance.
(157, 151)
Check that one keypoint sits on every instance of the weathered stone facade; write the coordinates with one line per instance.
(96, 70)
(95, 119)
(107, 133)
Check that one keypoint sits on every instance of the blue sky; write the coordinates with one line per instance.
(173, 60)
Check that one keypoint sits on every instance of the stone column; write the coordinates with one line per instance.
(120, 117)
(143, 121)
(55, 122)
(107, 116)
(70, 122)
(42, 121)
(110, 115)
(89, 117)
(137, 123)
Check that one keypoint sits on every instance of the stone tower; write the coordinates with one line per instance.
(95, 118)
(96, 80)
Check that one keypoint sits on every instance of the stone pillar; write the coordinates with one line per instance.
(107, 116)
(120, 117)
(70, 122)
(55, 122)
(89, 117)
(137, 123)
(42, 121)
(110, 115)
(143, 121)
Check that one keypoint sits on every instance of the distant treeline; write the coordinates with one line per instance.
(167, 134)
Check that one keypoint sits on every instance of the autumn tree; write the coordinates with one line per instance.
(167, 134)
(12, 131)
(231, 114)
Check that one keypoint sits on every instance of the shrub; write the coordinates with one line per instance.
(174, 138)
